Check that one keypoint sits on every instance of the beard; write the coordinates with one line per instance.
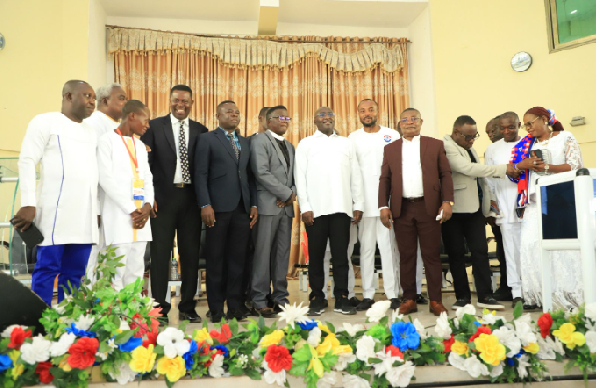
(371, 124)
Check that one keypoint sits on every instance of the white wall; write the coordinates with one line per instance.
(186, 25)
(420, 71)
(327, 30)
(97, 66)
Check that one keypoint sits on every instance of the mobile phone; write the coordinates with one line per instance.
(536, 154)
(30, 236)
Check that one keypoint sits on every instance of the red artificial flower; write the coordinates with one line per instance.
(223, 336)
(83, 352)
(448, 343)
(43, 369)
(151, 338)
(204, 350)
(17, 337)
(278, 358)
(480, 330)
(394, 350)
(545, 323)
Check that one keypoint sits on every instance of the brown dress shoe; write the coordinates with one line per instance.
(408, 306)
(266, 312)
(437, 308)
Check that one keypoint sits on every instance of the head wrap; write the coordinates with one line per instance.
(552, 121)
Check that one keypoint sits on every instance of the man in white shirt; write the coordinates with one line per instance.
(368, 143)
(330, 193)
(127, 193)
(506, 195)
(110, 100)
(65, 207)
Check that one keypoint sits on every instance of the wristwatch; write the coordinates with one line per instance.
(450, 202)
(546, 168)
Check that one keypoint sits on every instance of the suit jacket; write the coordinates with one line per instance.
(163, 155)
(274, 180)
(466, 175)
(437, 177)
(220, 179)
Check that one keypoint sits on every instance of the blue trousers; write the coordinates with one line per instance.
(68, 261)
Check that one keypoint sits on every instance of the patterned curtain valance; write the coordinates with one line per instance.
(241, 53)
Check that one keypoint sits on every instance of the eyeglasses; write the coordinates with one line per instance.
(529, 124)
(328, 114)
(411, 119)
(469, 138)
(283, 119)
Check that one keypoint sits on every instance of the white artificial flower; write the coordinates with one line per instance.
(294, 314)
(524, 330)
(546, 345)
(590, 310)
(242, 361)
(272, 377)
(475, 368)
(420, 328)
(365, 348)
(396, 316)
(256, 353)
(442, 326)
(314, 337)
(85, 322)
(378, 310)
(37, 351)
(343, 360)
(354, 381)
(327, 380)
(558, 346)
(8, 331)
(103, 356)
(508, 338)
(60, 309)
(497, 370)
(111, 345)
(590, 340)
(387, 364)
(490, 319)
(468, 309)
(457, 361)
(350, 329)
(124, 325)
(216, 367)
(400, 376)
(173, 341)
(523, 364)
(124, 374)
(62, 346)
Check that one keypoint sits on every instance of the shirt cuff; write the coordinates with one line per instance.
(202, 207)
(384, 207)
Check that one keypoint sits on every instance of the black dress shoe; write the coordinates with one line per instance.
(163, 321)
(277, 308)
(217, 316)
(420, 299)
(503, 294)
(395, 303)
(365, 304)
(354, 301)
(515, 301)
(191, 316)
(245, 311)
(236, 313)
(531, 306)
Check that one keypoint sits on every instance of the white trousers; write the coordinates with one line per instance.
(134, 263)
(419, 275)
(511, 239)
(372, 233)
(327, 259)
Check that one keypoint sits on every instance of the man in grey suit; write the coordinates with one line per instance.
(272, 162)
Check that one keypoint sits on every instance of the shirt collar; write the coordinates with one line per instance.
(227, 133)
(107, 117)
(175, 120)
(321, 134)
(276, 136)
(416, 139)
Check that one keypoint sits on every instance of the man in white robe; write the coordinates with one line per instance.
(65, 205)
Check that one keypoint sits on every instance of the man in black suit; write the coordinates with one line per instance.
(226, 192)
(172, 141)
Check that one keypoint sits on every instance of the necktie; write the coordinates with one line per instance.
(183, 155)
(235, 149)
(284, 151)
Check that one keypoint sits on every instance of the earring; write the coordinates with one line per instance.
(546, 123)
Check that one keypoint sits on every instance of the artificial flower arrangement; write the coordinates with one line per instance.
(118, 332)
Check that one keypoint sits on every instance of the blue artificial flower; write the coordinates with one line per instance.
(222, 348)
(5, 362)
(510, 361)
(80, 333)
(521, 352)
(131, 344)
(308, 325)
(189, 355)
(477, 324)
(405, 336)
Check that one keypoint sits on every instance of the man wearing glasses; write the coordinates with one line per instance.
(172, 141)
(272, 161)
(330, 193)
(472, 201)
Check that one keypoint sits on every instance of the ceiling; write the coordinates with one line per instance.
(358, 13)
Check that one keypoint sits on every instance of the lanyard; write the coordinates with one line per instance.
(133, 158)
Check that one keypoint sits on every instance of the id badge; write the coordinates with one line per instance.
(138, 189)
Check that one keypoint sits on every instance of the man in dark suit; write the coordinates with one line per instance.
(172, 142)
(416, 181)
(226, 193)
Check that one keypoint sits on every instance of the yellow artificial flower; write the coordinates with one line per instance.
(17, 370)
(532, 348)
(492, 352)
(329, 343)
(324, 327)
(202, 336)
(14, 355)
(342, 349)
(315, 363)
(568, 336)
(459, 347)
(142, 359)
(272, 339)
(172, 368)
(64, 364)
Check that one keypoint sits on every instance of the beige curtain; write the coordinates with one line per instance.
(257, 73)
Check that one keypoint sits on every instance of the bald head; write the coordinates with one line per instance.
(72, 86)
(78, 100)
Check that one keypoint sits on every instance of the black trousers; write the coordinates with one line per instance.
(469, 226)
(179, 213)
(501, 257)
(226, 255)
(336, 229)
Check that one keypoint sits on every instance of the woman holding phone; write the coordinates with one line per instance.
(548, 149)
